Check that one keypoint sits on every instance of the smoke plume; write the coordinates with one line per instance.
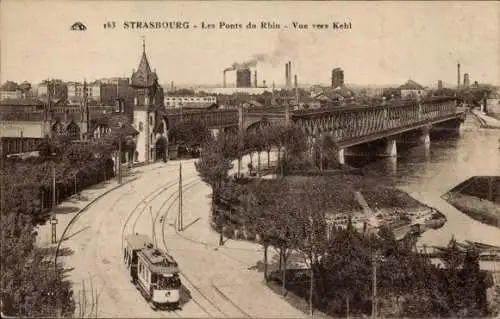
(284, 47)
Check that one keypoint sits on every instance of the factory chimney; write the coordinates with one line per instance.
(289, 82)
(287, 74)
(458, 76)
(224, 79)
(255, 78)
(296, 92)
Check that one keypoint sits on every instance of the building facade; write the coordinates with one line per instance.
(189, 101)
(77, 91)
(57, 88)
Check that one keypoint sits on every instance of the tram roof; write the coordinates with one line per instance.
(159, 261)
(137, 241)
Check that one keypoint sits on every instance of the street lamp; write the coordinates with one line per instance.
(120, 138)
(376, 257)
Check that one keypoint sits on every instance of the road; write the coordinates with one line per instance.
(220, 280)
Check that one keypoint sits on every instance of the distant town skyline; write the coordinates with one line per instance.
(421, 41)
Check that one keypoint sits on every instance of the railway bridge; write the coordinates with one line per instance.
(356, 129)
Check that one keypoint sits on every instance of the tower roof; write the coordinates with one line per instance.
(144, 77)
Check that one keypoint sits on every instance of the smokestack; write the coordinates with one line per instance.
(458, 76)
(255, 78)
(287, 74)
(224, 81)
(289, 83)
(296, 92)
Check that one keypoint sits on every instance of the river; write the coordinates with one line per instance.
(427, 173)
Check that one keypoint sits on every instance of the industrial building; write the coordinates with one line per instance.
(337, 77)
(243, 78)
(466, 80)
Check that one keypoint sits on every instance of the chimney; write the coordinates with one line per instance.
(172, 86)
(287, 74)
(255, 78)
(458, 76)
(296, 92)
(289, 83)
(224, 83)
(264, 83)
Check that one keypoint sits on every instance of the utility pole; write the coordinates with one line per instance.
(86, 105)
(179, 218)
(374, 287)
(53, 220)
(120, 158)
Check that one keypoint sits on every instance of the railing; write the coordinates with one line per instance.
(355, 122)
(16, 145)
(211, 118)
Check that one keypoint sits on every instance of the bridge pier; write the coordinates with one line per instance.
(425, 137)
(341, 156)
(390, 149)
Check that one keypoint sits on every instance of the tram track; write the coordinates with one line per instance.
(184, 277)
(165, 247)
(145, 201)
(188, 280)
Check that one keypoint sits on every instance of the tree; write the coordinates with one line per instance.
(189, 133)
(347, 269)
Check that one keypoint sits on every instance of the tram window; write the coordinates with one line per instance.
(154, 278)
(172, 282)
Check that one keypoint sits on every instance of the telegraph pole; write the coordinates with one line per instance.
(179, 217)
(374, 288)
(54, 218)
(120, 158)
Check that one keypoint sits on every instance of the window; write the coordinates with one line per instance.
(150, 120)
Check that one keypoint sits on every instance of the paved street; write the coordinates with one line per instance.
(222, 281)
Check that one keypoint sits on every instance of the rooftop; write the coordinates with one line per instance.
(159, 261)
(9, 86)
(144, 77)
(411, 85)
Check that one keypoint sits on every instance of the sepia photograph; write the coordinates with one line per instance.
(249, 159)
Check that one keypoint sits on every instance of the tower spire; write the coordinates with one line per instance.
(143, 44)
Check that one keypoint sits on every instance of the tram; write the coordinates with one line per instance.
(153, 272)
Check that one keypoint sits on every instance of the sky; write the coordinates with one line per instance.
(389, 42)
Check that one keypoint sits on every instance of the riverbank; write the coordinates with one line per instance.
(361, 199)
(479, 198)
(485, 120)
